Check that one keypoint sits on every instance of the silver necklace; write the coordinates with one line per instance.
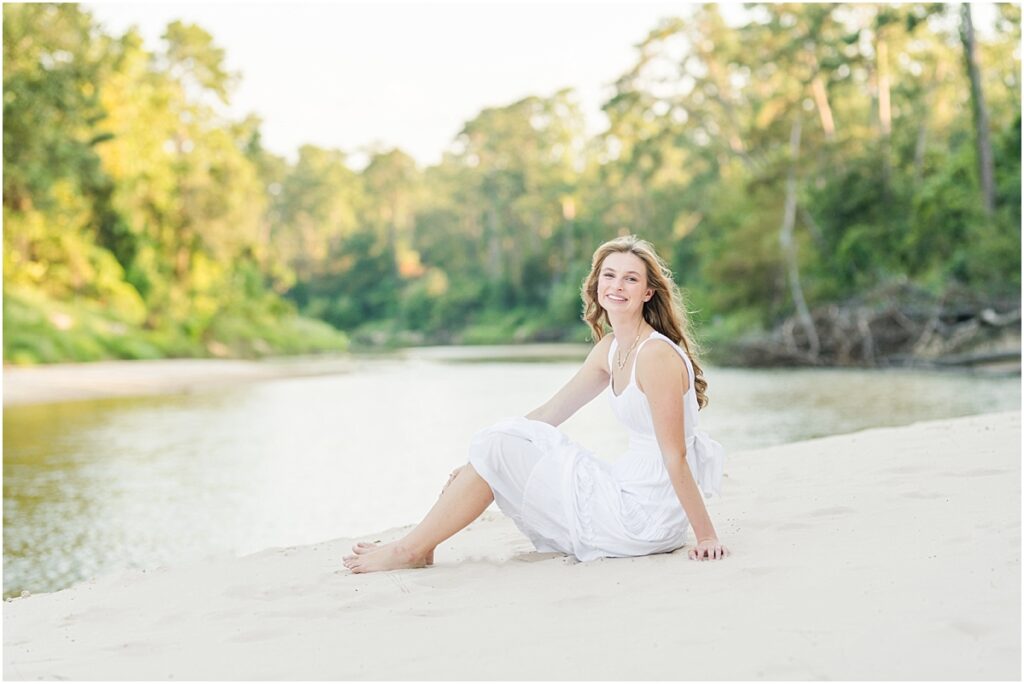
(620, 360)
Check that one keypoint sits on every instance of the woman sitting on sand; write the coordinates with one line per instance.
(559, 494)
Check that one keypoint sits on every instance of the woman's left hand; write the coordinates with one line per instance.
(709, 549)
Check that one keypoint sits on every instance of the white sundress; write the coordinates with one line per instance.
(565, 499)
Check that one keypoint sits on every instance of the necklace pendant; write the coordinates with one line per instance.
(621, 362)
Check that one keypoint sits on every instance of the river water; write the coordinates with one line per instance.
(92, 487)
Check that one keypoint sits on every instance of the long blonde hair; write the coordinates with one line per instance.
(664, 311)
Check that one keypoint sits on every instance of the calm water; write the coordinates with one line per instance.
(97, 486)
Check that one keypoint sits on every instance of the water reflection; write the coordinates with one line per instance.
(91, 487)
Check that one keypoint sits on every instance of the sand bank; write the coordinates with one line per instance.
(885, 554)
(102, 379)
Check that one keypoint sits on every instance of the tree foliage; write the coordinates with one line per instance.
(806, 154)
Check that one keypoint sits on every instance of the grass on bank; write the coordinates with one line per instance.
(37, 329)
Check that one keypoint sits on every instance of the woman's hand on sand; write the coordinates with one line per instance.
(709, 549)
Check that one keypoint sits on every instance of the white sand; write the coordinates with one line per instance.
(102, 379)
(889, 553)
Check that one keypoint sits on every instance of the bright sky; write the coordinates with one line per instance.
(350, 75)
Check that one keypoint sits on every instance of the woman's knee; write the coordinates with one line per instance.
(451, 477)
(494, 442)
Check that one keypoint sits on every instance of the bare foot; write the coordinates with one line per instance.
(366, 547)
(388, 557)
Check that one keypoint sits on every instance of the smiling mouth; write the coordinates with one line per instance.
(614, 298)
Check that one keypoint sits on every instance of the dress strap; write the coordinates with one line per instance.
(636, 355)
(679, 350)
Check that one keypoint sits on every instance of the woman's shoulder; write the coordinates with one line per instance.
(667, 342)
(658, 359)
(660, 349)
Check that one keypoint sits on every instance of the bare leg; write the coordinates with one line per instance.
(462, 502)
(367, 547)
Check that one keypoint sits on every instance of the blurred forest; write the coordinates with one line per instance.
(818, 178)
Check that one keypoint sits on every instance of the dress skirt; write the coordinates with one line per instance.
(565, 499)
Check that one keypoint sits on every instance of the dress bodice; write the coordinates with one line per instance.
(705, 456)
(633, 410)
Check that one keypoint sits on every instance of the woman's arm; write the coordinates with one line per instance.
(662, 376)
(582, 388)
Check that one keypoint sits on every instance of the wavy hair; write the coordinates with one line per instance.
(664, 311)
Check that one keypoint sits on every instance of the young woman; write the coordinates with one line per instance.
(558, 493)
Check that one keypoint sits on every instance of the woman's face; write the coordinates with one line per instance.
(622, 283)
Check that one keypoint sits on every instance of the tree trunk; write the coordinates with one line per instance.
(884, 88)
(884, 109)
(789, 246)
(922, 107)
(985, 162)
(824, 110)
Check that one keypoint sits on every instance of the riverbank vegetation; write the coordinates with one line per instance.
(797, 164)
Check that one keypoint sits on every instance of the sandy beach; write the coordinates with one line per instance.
(884, 554)
(101, 379)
